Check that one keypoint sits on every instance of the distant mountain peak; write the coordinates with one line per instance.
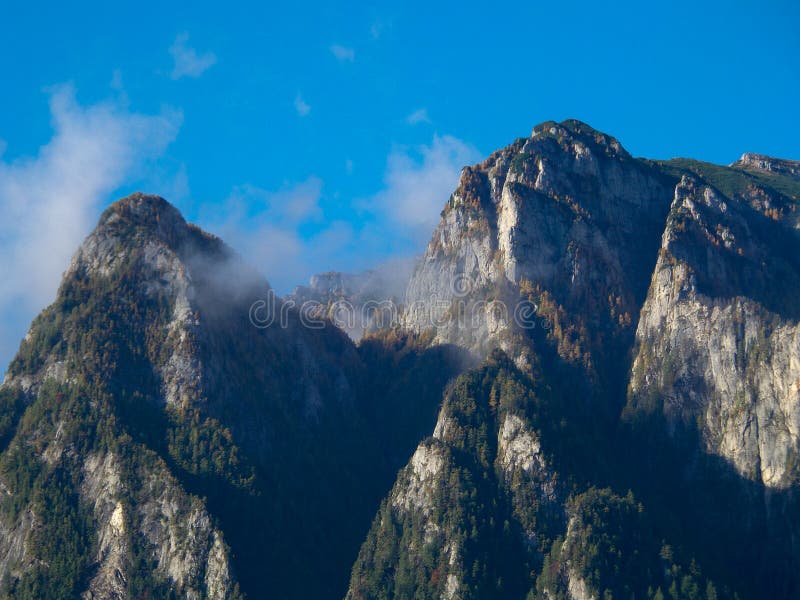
(769, 164)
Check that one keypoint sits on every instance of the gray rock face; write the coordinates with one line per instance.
(15, 557)
(174, 527)
(678, 280)
(566, 218)
(718, 339)
(569, 220)
(188, 550)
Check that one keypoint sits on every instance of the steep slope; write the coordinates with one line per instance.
(546, 250)
(169, 428)
(452, 526)
(568, 219)
(665, 292)
(718, 343)
(480, 512)
(85, 508)
(713, 401)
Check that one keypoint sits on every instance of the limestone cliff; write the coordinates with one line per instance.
(718, 342)
(563, 224)
(656, 302)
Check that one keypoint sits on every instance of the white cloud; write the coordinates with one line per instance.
(418, 182)
(348, 165)
(418, 116)
(343, 53)
(290, 205)
(286, 234)
(49, 202)
(186, 61)
(264, 226)
(300, 105)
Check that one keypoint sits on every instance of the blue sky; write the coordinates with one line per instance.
(313, 137)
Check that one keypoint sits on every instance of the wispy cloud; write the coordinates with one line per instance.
(187, 62)
(50, 200)
(418, 116)
(265, 227)
(343, 53)
(288, 235)
(418, 182)
(300, 105)
(290, 205)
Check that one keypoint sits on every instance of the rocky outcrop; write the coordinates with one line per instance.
(188, 550)
(676, 280)
(559, 231)
(718, 340)
(484, 466)
(769, 164)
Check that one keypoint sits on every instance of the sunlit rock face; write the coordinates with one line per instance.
(665, 302)
(158, 440)
(566, 219)
(594, 237)
(718, 342)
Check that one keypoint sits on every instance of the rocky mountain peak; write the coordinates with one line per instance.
(566, 216)
(145, 208)
(173, 444)
(148, 230)
(769, 164)
(152, 216)
(192, 408)
(571, 131)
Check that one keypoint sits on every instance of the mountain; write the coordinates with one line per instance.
(357, 303)
(653, 305)
(481, 511)
(588, 389)
(169, 429)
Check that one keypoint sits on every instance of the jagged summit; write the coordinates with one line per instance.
(567, 210)
(147, 207)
